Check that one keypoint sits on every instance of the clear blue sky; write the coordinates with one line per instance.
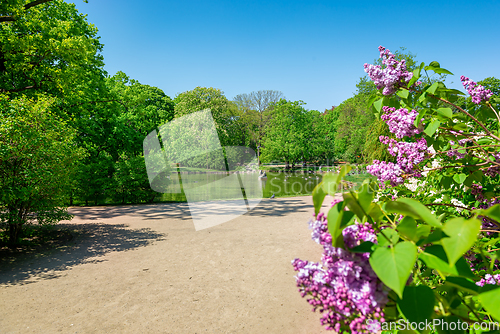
(310, 50)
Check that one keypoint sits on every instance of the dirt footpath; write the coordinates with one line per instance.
(144, 269)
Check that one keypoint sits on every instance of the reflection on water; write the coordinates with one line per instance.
(205, 185)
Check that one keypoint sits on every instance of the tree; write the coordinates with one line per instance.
(286, 135)
(113, 133)
(255, 108)
(323, 131)
(357, 130)
(38, 157)
(354, 121)
(47, 46)
(224, 112)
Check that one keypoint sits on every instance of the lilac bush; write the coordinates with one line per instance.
(423, 243)
(477, 92)
(393, 76)
(343, 287)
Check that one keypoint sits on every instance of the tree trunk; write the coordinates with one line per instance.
(14, 229)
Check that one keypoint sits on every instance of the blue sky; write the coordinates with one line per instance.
(310, 50)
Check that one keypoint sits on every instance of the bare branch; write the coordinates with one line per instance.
(7, 19)
(35, 3)
(450, 205)
(27, 6)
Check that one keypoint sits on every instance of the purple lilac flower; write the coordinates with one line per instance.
(400, 121)
(494, 170)
(489, 224)
(454, 152)
(393, 76)
(477, 92)
(408, 154)
(489, 279)
(343, 286)
(386, 171)
(477, 190)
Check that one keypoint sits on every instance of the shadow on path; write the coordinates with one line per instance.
(145, 211)
(90, 241)
(266, 208)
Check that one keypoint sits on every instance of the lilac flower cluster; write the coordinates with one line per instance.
(393, 76)
(454, 152)
(343, 286)
(477, 190)
(401, 121)
(408, 154)
(489, 279)
(488, 224)
(477, 92)
(477, 265)
(386, 171)
(494, 170)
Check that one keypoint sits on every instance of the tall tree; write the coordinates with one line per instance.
(224, 112)
(354, 120)
(287, 133)
(256, 108)
(113, 135)
(38, 159)
(46, 46)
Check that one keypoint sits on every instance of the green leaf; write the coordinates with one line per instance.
(423, 231)
(462, 235)
(442, 71)
(463, 284)
(408, 228)
(432, 88)
(416, 75)
(371, 100)
(318, 197)
(389, 237)
(330, 183)
(434, 64)
(364, 247)
(403, 93)
(435, 258)
(378, 104)
(490, 301)
(417, 304)
(412, 208)
(492, 212)
(420, 115)
(365, 196)
(353, 205)
(375, 212)
(446, 112)
(459, 178)
(344, 170)
(393, 265)
(334, 221)
(432, 127)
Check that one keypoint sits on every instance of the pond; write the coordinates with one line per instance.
(216, 186)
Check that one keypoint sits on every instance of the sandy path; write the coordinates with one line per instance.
(144, 269)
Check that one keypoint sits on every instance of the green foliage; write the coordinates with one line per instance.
(50, 48)
(224, 112)
(288, 135)
(429, 237)
(131, 179)
(353, 122)
(38, 159)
